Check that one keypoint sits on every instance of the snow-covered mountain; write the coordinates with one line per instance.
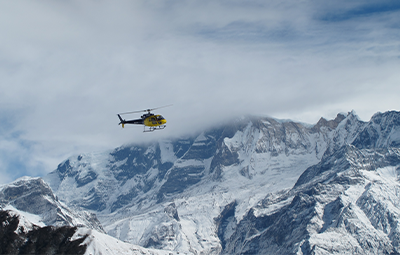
(174, 194)
(18, 235)
(34, 197)
(256, 186)
(349, 203)
(34, 221)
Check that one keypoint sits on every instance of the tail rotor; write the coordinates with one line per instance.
(122, 121)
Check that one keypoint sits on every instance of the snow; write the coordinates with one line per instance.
(123, 162)
(364, 226)
(99, 243)
(26, 220)
(388, 173)
(334, 242)
(385, 174)
(152, 173)
(200, 140)
(67, 189)
(272, 208)
(167, 152)
(150, 150)
(15, 182)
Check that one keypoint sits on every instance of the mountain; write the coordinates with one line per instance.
(20, 236)
(34, 196)
(349, 203)
(34, 221)
(176, 194)
(257, 185)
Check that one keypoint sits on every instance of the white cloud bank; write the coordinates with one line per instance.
(67, 68)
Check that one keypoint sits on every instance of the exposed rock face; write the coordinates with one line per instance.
(332, 124)
(15, 239)
(18, 235)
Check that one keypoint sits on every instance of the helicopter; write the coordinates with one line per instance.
(150, 121)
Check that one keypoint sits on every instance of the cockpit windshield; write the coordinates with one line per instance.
(159, 117)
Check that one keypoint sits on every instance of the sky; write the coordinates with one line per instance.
(67, 67)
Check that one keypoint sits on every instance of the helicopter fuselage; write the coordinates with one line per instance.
(149, 120)
(153, 122)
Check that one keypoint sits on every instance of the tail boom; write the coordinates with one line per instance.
(136, 121)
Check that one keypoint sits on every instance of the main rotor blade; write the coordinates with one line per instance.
(159, 107)
(132, 112)
(148, 110)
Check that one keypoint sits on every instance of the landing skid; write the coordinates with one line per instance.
(151, 129)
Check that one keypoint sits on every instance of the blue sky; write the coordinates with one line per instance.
(67, 68)
(360, 9)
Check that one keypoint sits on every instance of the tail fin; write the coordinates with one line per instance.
(122, 121)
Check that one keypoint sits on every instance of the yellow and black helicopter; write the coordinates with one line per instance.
(149, 120)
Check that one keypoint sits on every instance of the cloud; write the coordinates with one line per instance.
(68, 67)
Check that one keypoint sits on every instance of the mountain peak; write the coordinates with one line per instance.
(39, 200)
(381, 131)
(332, 124)
(17, 238)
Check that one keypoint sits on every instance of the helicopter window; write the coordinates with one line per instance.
(159, 117)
